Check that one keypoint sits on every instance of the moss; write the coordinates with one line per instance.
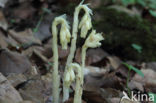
(123, 30)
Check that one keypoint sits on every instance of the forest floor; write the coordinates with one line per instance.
(26, 58)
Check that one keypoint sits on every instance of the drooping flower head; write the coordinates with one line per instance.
(85, 23)
(65, 31)
(70, 77)
(93, 40)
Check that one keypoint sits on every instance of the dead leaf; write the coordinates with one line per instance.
(109, 93)
(24, 38)
(135, 85)
(93, 97)
(13, 62)
(16, 79)
(29, 51)
(149, 80)
(3, 22)
(7, 92)
(114, 61)
(36, 90)
(92, 56)
(5, 41)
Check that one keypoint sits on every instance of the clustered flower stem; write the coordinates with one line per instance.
(78, 89)
(71, 55)
(73, 45)
(92, 41)
(55, 76)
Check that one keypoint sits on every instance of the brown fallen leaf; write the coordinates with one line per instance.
(3, 22)
(92, 56)
(104, 80)
(96, 55)
(42, 57)
(13, 62)
(8, 92)
(149, 80)
(136, 85)
(24, 38)
(29, 51)
(114, 61)
(122, 72)
(40, 61)
(36, 90)
(112, 81)
(5, 40)
(110, 93)
(115, 79)
(93, 97)
(102, 63)
(16, 79)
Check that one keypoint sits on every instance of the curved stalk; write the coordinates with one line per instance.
(73, 44)
(92, 41)
(55, 76)
(70, 78)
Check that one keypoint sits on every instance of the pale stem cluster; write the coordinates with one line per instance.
(63, 33)
(70, 77)
(92, 41)
(85, 24)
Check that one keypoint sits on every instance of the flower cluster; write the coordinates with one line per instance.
(93, 40)
(70, 77)
(65, 35)
(65, 30)
(73, 71)
(85, 23)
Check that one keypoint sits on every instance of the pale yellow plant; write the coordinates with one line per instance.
(70, 77)
(85, 25)
(92, 41)
(64, 39)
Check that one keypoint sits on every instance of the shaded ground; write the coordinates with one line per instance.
(26, 52)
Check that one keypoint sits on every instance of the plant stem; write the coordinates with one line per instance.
(71, 55)
(83, 56)
(78, 87)
(55, 75)
(72, 48)
(78, 91)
